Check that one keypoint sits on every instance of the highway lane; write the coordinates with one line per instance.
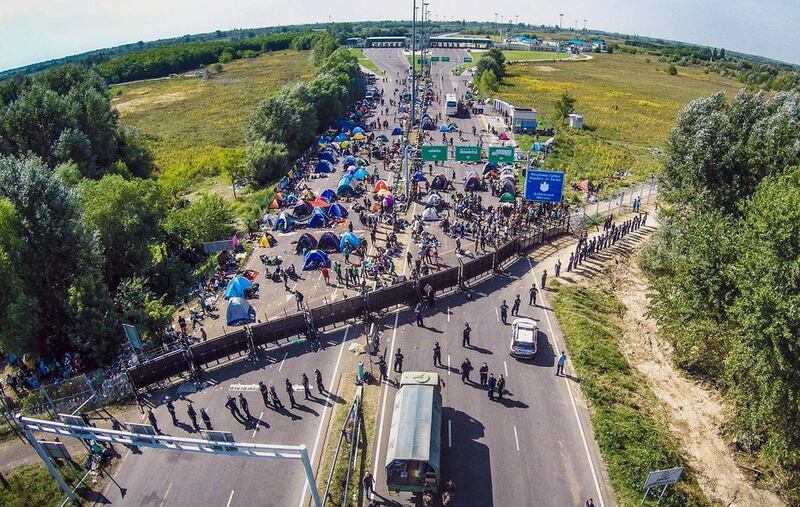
(157, 477)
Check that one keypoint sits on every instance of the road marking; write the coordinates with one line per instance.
(383, 405)
(448, 364)
(505, 366)
(169, 487)
(574, 406)
(333, 298)
(450, 433)
(516, 438)
(230, 498)
(324, 412)
(496, 314)
(284, 360)
(448, 314)
(258, 424)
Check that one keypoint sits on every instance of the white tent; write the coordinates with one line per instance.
(430, 214)
(434, 199)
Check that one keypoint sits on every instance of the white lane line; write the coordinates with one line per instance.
(496, 314)
(448, 364)
(324, 412)
(448, 314)
(516, 438)
(284, 360)
(450, 433)
(258, 424)
(574, 406)
(505, 366)
(169, 487)
(230, 499)
(383, 407)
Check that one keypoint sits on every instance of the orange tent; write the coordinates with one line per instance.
(380, 185)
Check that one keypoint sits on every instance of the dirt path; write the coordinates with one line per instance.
(694, 412)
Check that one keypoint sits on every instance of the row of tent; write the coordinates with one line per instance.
(329, 242)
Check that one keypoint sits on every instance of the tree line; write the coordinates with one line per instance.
(490, 71)
(724, 265)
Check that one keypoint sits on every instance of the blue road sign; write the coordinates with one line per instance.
(544, 186)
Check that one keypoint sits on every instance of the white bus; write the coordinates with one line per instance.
(450, 105)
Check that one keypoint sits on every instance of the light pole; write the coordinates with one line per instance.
(413, 94)
(560, 21)
(584, 25)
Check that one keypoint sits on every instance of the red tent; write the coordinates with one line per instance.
(319, 203)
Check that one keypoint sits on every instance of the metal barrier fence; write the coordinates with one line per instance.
(622, 202)
(404, 293)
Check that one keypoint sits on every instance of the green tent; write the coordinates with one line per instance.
(507, 197)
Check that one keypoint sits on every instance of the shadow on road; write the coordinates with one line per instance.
(467, 462)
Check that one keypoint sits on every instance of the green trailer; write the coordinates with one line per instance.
(415, 437)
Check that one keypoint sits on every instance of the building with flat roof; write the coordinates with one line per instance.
(396, 41)
(461, 42)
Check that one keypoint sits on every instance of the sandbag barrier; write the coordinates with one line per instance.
(319, 318)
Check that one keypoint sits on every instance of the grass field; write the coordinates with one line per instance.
(520, 56)
(197, 126)
(629, 105)
(631, 432)
(365, 62)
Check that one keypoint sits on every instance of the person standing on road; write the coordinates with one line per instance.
(501, 386)
(382, 368)
(230, 404)
(290, 393)
(590, 503)
(533, 292)
(244, 405)
(273, 395)
(465, 336)
(306, 389)
(206, 419)
(369, 483)
(318, 378)
(515, 306)
(571, 262)
(561, 360)
(398, 361)
(152, 418)
(437, 354)
(171, 409)
(418, 314)
(558, 268)
(504, 312)
(298, 297)
(490, 385)
(262, 388)
(544, 279)
(484, 373)
(192, 416)
(326, 275)
(466, 367)
(285, 279)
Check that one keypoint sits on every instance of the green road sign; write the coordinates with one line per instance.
(501, 154)
(434, 153)
(468, 153)
(434, 58)
(467, 59)
(445, 58)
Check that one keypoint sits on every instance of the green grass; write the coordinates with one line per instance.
(31, 485)
(197, 126)
(629, 105)
(520, 55)
(366, 62)
(630, 430)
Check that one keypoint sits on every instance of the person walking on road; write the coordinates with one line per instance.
(398, 361)
(490, 385)
(466, 367)
(262, 388)
(501, 386)
(590, 503)
(418, 314)
(369, 483)
(152, 418)
(290, 393)
(571, 261)
(544, 279)
(318, 378)
(465, 336)
(515, 306)
(437, 354)
(273, 395)
(298, 297)
(533, 292)
(306, 389)
(192, 416)
(504, 312)
(171, 409)
(382, 368)
(561, 360)
(326, 275)
(244, 406)
(484, 373)
(557, 268)
(230, 404)
(206, 419)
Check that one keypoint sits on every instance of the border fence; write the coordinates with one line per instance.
(243, 341)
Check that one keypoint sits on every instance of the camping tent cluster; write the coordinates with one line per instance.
(328, 243)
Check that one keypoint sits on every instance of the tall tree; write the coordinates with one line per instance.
(565, 106)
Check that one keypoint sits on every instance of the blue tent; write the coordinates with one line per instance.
(329, 242)
(338, 211)
(397, 131)
(537, 146)
(358, 130)
(236, 287)
(283, 183)
(240, 311)
(361, 174)
(284, 223)
(444, 128)
(328, 155)
(328, 194)
(349, 160)
(323, 166)
(349, 239)
(343, 123)
(340, 138)
(324, 140)
(418, 176)
(345, 187)
(318, 218)
(315, 259)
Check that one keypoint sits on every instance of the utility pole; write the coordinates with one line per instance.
(407, 173)
(584, 25)
(560, 21)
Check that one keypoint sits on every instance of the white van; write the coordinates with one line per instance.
(524, 338)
